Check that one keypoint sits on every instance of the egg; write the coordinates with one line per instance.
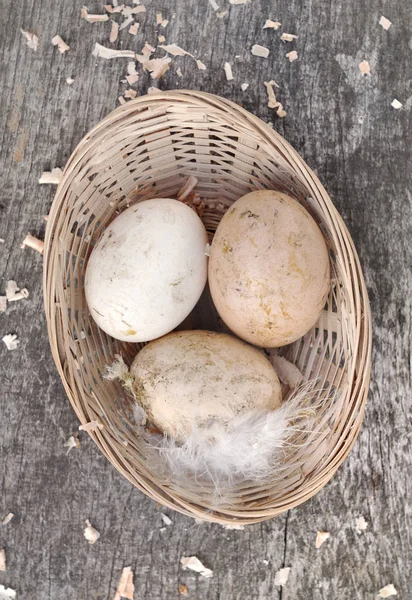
(147, 271)
(191, 379)
(269, 272)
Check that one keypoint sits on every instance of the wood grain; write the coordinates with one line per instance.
(344, 127)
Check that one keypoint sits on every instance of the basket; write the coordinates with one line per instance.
(148, 148)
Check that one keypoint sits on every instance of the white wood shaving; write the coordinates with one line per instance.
(114, 32)
(364, 67)
(388, 590)
(60, 43)
(131, 79)
(321, 538)
(133, 29)
(166, 519)
(396, 104)
(3, 304)
(282, 576)
(228, 71)
(54, 176)
(292, 56)
(179, 72)
(127, 11)
(91, 426)
(201, 66)
(84, 13)
(11, 341)
(222, 13)
(3, 566)
(385, 23)
(288, 37)
(128, 21)
(236, 526)
(72, 442)
(13, 292)
(260, 51)
(130, 94)
(108, 53)
(131, 68)
(7, 593)
(265, 561)
(157, 66)
(194, 564)
(361, 524)
(32, 39)
(161, 39)
(175, 50)
(272, 102)
(125, 589)
(69, 80)
(32, 242)
(287, 372)
(7, 518)
(2, 240)
(121, 100)
(159, 18)
(90, 533)
(272, 24)
(238, 1)
(244, 87)
(214, 5)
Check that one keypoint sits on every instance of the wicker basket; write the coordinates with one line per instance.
(148, 148)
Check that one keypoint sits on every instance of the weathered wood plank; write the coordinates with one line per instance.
(343, 125)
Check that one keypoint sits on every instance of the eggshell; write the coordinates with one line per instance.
(269, 271)
(147, 271)
(195, 378)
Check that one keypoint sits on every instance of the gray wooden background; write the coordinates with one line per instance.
(345, 128)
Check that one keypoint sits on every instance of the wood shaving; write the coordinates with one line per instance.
(159, 18)
(2, 240)
(194, 564)
(282, 576)
(133, 29)
(260, 51)
(54, 176)
(183, 591)
(179, 72)
(238, 1)
(164, 23)
(361, 524)
(60, 43)
(11, 341)
(214, 5)
(114, 32)
(125, 589)
(281, 112)
(90, 533)
(92, 18)
(190, 184)
(201, 66)
(69, 81)
(272, 24)
(175, 50)
(91, 426)
(236, 526)
(13, 292)
(7, 593)
(3, 566)
(385, 23)
(128, 21)
(32, 242)
(108, 53)
(288, 37)
(166, 520)
(396, 104)
(321, 538)
(127, 11)
(228, 71)
(3, 304)
(157, 66)
(292, 56)
(72, 442)
(222, 13)
(32, 39)
(121, 100)
(131, 79)
(364, 67)
(131, 68)
(148, 49)
(244, 87)
(7, 518)
(272, 102)
(130, 94)
(161, 39)
(114, 9)
(287, 372)
(388, 590)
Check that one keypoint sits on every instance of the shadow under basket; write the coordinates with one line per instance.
(147, 149)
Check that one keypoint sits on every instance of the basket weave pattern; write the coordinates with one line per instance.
(147, 149)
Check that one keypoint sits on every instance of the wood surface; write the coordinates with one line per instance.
(343, 125)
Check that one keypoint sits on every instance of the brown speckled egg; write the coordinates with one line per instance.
(269, 271)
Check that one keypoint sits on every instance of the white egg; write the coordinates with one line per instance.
(147, 271)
